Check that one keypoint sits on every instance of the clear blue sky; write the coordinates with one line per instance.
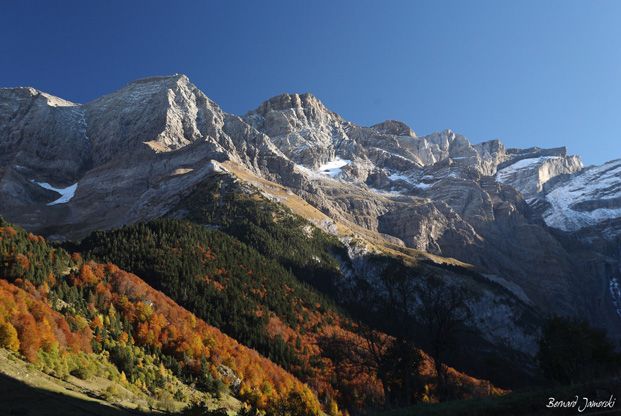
(544, 73)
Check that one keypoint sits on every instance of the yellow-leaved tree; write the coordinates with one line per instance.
(8, 337)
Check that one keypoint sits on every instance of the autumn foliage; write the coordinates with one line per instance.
(250, 297)
(27, 317)
(51, 301)
(95, 306)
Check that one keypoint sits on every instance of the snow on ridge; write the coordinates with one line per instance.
(503, 175)
(66, 194)
(594, 183)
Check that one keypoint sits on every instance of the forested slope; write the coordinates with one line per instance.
(66, 315)
(267, 297)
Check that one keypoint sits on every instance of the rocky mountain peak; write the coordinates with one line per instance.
(145, 91)
(164, 113)
(301, 126)
(284, 102)
(394, 127)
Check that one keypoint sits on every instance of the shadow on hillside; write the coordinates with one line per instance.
(20, 399)
(528, 402)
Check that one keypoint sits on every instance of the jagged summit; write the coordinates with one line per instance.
(166, 113)
(301, 126)
(288, 101)
(395, 127)
(142, 88)
(303, 105)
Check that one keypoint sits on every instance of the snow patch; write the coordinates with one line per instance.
(422, 185)
(66, 194)
(399, 177)
(416, 184)
(334, 167)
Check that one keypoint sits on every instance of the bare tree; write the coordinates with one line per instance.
(357, 359)
(442, 313)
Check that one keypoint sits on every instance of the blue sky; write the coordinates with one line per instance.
(544, 73)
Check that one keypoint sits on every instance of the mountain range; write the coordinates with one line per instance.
(532, 233)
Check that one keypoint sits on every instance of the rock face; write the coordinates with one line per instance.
(588, 198)
(42, 133)
(301, 126)
(532, 219)
(165, 113)
(530, 171)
